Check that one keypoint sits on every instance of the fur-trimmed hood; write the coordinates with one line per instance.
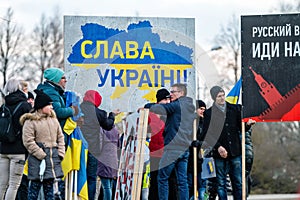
(36, 115)
(43, 139)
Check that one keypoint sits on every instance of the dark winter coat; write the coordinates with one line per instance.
(43, 138)
(108, 159)
(224, 129)
(178, 132)
(249, 151)
(94, 118)
(11, 101)
(199, 158)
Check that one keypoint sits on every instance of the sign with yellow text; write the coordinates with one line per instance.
(127, 59)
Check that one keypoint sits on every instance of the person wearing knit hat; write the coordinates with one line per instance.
(214, 91)
(162, 94)
(221, 131)
(41, 100)
(44, 141)
(200, 103)
(177, 134)
(156, 122)
(54, 87)
(53, 74)
(202, 183)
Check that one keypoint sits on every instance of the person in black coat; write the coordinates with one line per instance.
(249, 159)
(94, 119)
(222, 131)
(13, 154)
(201, 183)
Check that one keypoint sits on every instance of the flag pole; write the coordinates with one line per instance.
(243, 162)
(71, 184)
(75, 184)
(66, 186)
(195, 160)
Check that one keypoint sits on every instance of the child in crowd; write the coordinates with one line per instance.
(44, 140)
(108, 162)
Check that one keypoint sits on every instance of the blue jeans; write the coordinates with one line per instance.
(108, 185)
(201, 185)
(91, 172)
(233, 167)
(180, 165)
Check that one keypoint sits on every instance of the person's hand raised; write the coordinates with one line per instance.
(116, 112)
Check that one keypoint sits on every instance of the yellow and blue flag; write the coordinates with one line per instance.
(77, 148)
(234, 94)
(82, 188)
(71, 160)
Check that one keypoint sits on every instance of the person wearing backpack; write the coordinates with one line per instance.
(12, 154)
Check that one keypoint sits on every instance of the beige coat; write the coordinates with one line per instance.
(40, 128)
(43, 139)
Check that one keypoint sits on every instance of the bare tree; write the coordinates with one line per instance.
(276, 145)
(276, 157)
(229, 39)
(46, 49)
(286, 7)
(56, 38)
(10, 41)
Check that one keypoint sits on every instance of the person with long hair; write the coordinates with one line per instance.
(12, 154)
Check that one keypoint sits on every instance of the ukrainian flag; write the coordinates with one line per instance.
(76, 153)
(82, 188)
(234, 94)
(71, 160)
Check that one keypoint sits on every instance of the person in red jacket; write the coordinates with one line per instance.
(156, 126)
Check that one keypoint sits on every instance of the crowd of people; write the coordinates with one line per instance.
(42, 143)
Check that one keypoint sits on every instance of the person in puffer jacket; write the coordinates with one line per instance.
(44, 141)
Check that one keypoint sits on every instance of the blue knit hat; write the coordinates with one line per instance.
(53, 74)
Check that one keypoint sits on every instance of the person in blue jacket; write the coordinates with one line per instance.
(177, 139)
(54, 86)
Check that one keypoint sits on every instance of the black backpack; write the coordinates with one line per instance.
(7, 132)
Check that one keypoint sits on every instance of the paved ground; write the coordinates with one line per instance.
(272, 197)
(275, 197)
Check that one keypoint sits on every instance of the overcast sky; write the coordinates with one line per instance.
(209, 14)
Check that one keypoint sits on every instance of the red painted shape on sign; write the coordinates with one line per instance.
(281, 108)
